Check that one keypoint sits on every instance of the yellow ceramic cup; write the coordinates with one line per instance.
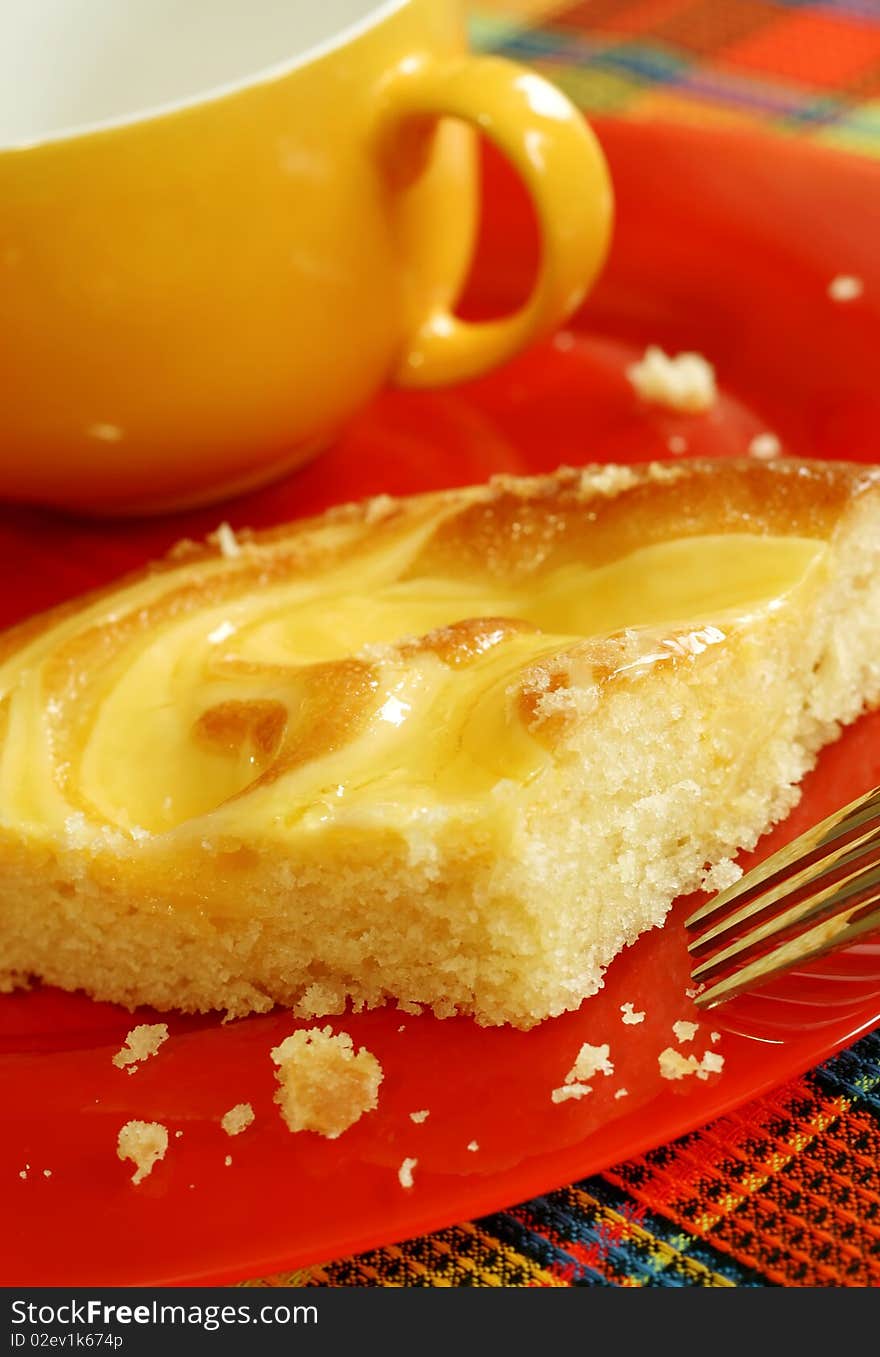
(208, 259)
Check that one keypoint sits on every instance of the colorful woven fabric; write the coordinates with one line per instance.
(795, 66)
(786, 1191)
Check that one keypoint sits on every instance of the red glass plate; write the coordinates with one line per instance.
(725, 243)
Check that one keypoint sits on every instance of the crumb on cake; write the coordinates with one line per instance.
(227, 542)
(324, 1084)
(144, 1143)
(723, 874)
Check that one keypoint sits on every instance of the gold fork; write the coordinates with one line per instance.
(814, 895)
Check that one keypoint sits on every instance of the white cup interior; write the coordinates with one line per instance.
(67, 64)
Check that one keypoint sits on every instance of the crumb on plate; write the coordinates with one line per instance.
(630, 1017)
(324, 1084)
(144, 1143)
(226, 540)
(405, 1172)
(237, 1119)
(845, 287)
(683, 382)
(673, 1065)
(141, 1042)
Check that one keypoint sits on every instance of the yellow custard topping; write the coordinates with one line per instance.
(332, 702)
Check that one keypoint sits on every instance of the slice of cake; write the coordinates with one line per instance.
(456, 750)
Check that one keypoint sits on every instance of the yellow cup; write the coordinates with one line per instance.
(210, 257)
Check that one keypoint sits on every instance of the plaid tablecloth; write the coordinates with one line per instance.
(786, 1191)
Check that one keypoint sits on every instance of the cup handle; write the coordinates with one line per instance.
(562, 166)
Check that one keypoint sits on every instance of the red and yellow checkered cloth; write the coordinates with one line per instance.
(798, 66)
(786, 1191)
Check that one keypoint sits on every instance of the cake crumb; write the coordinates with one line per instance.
(685, 1031)
(692, 993)
(621, 1093)
(683, 382)
(141, 1042)
(319, 1001)
(177, 1135)
(724, 873)
(378, 508)
(47, 1173)
(764, 447)
(712, 1063)
(402, 1027)
(674, 1065)
(230, 547)
(228, 1160)
(567, 1091)
(325, 1085)
(590, 1060)
(144, 1143)
(845, 288)
(473, 1146)
(630, 1017)
(23, 1173)
(676, 444)
(405, 1172)
(105, 433)
(419, 1117)
(237, 1119)
(714, 1036)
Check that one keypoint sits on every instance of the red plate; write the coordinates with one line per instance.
(726, 244)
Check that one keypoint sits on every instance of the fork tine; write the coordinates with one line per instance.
(854, 850)
(824, 937)
(817, 906)
(863, 811)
